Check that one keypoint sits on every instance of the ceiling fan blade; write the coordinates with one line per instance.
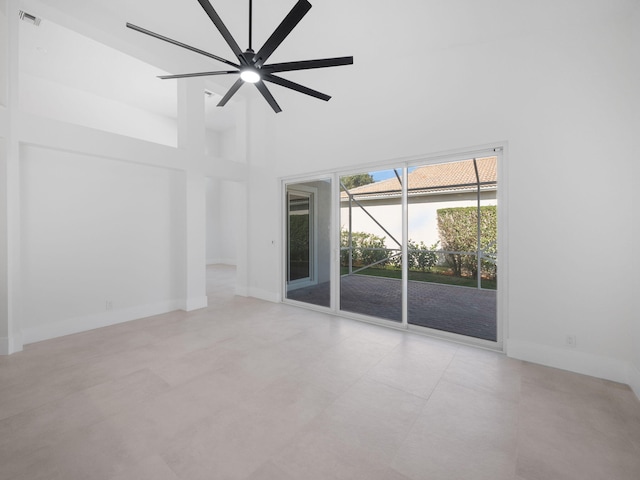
(180, 44)
(234, 88)
(224, 31)
(307, 64)
(197, 74)
(267, 96)
(296, 14)
(296, 86)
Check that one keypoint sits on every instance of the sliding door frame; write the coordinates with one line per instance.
(497, 150)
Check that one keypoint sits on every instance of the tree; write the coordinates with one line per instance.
(458, 228)
(353, 181)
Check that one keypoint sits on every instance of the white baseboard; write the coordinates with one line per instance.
(634, 379)
(96, 320)
(9, 345)
(264, 295)
(242, 291)
(570, 359)
(195, 304)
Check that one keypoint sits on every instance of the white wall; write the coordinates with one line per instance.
(103, 227)
(212, 143)
(258, 274)
(228, 143)
(634, 307)
(3, 58)
(97, 235)
(70, 77)
(60, 102)
(4, 330)
(231, 216)
(4, 298)
(554, 84)
(213, 221)
(223, 218)
(9, 338)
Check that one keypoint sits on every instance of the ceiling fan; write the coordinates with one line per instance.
(251, 65)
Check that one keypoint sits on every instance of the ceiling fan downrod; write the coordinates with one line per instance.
(250, 23)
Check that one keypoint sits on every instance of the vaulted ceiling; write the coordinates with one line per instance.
(389, 40)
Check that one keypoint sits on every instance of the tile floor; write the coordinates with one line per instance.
(253, 390)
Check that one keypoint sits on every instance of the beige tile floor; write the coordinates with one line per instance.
(252, 390)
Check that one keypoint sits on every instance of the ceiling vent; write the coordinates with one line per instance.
(27, 17)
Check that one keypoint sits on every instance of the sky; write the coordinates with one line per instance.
(385, 174)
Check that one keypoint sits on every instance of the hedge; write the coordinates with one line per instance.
(458, 233)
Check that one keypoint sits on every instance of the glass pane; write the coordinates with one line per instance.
(299, 233)
(445, 291)
(309, 242)
(370, 244)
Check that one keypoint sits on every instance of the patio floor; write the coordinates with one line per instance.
(463, 310)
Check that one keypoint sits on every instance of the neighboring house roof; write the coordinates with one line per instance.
(439, 178)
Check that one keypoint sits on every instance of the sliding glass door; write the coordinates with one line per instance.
(415, 245)
(452, 233)
(371, 244)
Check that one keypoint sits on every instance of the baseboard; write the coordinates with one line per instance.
(96, 320)
(634, 379)
(570, 359)
(9, 345)
(264, 295)
(242, 291)
(195, 304)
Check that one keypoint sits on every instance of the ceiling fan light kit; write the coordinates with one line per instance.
(251, 66)
(249, 75)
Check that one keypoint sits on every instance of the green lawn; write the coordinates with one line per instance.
(437, 275)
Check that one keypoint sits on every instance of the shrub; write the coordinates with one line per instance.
(421, 257)
(458, 233)
(299, 238)
(364, 248)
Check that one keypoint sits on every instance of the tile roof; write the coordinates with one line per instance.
(441, 177)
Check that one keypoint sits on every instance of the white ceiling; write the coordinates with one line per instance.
(394, 36)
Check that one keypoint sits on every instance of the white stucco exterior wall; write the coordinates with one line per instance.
(423, 217)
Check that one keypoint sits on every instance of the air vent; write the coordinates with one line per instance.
(27, 17)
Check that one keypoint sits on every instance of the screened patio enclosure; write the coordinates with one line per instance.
(418, 246)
